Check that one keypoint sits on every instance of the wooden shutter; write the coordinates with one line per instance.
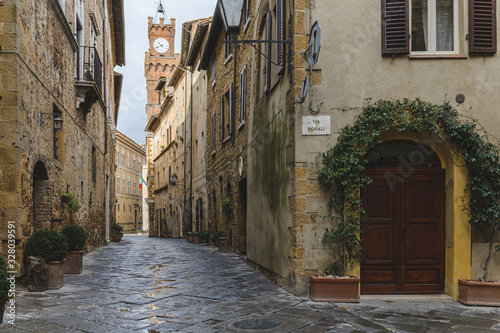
(221, 125)
(231, 109)
(395, 27)
(243, 97)
(268, 36)
(280, 34)
(482, 26)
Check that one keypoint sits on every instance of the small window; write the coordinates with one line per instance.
(228, 47)
(129, 185)
(243, 95)
(213, 131)
(214, 69)
(247, 10)
(94, 164)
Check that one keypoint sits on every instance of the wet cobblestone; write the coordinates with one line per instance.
(168, 285)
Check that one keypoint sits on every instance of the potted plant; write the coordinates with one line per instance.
(336, 285)
(196, 237)
(482, 292)
(226, 205)
(190, 236)
(73, 204)
(205, 236)
(221, 241)
(5, 293)
(76, 237)
(117, 232)
(52, 247)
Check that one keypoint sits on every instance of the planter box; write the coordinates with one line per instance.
(55, 274)
(196, 238)
(189, 238)
(335, 289)
(74, 262)
(478, 293)
(223, 244)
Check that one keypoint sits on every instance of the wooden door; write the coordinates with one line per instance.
(403, 241)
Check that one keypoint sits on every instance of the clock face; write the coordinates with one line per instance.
(161, 45)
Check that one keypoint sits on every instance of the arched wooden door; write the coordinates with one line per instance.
(403, 241)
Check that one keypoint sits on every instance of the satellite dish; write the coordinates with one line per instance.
(305, 88)
(314, 43)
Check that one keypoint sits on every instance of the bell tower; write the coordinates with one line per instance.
(161, 59)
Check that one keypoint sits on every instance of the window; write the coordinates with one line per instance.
(213, 131)
(214, 69)
(133, 165)
(243, 95)
(268, 35)
(56, 134)
(118, 183)
(280, 13)
(129, 185)
(94, 164)
(123, 185)
(118, 207)
(227, 113)
(123, 157)
(135, 186)
(128, 160)
(247, 10)
(434, 26)
(117, 157)
(228, 47)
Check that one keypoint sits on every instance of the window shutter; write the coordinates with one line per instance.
(280, 34)
(213, 131)
(231, 109)
(243, 89)
(395, 27)
(268, 36)
(482, 26)
(221, 125)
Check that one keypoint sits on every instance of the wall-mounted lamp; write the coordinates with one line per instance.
(58, 122)
(173, 179)
(197, 191)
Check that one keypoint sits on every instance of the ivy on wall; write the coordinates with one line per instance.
(343, 167)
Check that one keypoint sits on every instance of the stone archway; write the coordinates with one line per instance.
(42, 197)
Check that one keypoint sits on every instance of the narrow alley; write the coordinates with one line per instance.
(168, 285)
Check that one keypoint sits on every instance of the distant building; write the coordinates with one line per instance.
(130, 159)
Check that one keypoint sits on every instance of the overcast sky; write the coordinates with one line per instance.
(132, 114)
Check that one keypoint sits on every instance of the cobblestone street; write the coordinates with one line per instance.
(168, 285)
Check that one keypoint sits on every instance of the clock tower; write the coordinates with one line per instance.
(161, 60)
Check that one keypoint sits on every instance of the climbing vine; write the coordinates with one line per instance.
(343, 167)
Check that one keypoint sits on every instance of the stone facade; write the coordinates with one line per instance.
(130, 157)
(46, 73)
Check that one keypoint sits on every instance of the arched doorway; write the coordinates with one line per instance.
(404, 239)
(42, 197)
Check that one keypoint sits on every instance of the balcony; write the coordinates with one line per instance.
(89, 78)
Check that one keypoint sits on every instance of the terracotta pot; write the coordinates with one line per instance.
(223, 244)
(189, 238)
(117, 238)
(55, 274)
(473, 292)
(196, 238)
(335, 289)
(74, 262)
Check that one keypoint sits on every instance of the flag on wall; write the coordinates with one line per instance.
(142, 182)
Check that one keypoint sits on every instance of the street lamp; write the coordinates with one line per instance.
(173, 179)
(58, 122)
(231, 11)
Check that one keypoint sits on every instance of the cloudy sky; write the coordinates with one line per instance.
(132, 114)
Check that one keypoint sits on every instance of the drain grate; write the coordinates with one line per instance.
(257, 324)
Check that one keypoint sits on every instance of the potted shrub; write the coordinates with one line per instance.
(53, 247)
(226, 205)
(76, 237)
(5, 294)
(190, 236)
(117, 229)
(336, 285)
(73, 204)
(205, 236)
(196, 237)
(220, 240)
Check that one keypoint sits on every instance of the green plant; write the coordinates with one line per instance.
(74, 204)
(117, 228)
(343, 167)
(48, 244)
(226, 205)
(75, 236)
(5, 294)
(216, 236)
(205, 236)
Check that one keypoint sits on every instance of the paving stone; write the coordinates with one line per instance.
(167, 285)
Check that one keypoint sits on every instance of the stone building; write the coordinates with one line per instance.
(160, 63)
(56, 63)
(130, 158)
(228, 104)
